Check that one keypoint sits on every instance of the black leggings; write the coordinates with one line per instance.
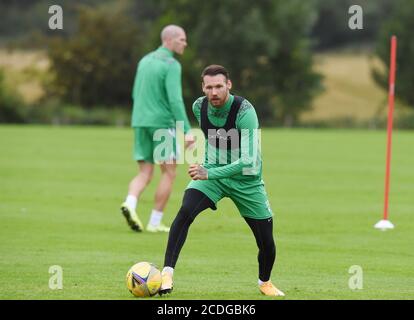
(194, 202)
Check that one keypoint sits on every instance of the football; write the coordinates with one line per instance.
(143, 279)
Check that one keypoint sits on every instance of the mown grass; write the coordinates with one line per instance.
(61, 187)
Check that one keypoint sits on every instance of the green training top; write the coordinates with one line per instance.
(157, 93)
(231, 163)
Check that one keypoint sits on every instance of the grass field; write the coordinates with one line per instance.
(60, 190)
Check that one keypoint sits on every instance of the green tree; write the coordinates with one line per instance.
(264, 45)
(331, 28)
(96, 65)
(401, 24)
(12, 108)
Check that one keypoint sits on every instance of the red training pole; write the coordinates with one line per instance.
(391, 94)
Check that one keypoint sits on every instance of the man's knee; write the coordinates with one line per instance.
(194, 202)
(263, 232)
(146, 176)
(188, 211)
(270, 246)
(185, 214)
(171, 174)
(169, 170)
(146, 171)
(268, 243)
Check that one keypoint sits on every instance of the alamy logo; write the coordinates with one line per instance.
(56, 20)
(222, 134)
(223, 147)
(356, 20)
(356, 280)
(56, 280)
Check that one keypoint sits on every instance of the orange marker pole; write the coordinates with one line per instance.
(385, 223)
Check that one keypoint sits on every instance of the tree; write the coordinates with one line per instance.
(401, 24)
(331, 28)
(96, 66)
(264, 46)
(12, 108)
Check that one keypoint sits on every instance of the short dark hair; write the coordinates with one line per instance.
(213, 70)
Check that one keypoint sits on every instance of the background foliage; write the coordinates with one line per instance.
(269, 48)
(401, 24)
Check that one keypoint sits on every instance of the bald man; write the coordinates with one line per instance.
(157, 107)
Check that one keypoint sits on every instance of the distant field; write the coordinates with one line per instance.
(350, 92)
(25, 71)
(60, 189)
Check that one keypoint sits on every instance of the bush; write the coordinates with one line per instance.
(405, 120)
(96, 66)
(53, 112)
(401, 24)
(69, 115)
(12, 107)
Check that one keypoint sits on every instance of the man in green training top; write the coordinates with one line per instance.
(232, 168)
(157, 104)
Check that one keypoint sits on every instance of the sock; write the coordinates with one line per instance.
(260, 282)
(156, 217)
(131, 201)
(168, 269)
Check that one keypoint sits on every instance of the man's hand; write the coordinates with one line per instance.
(198, 172)
(189, 141)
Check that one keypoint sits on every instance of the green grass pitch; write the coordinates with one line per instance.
(61, 187)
